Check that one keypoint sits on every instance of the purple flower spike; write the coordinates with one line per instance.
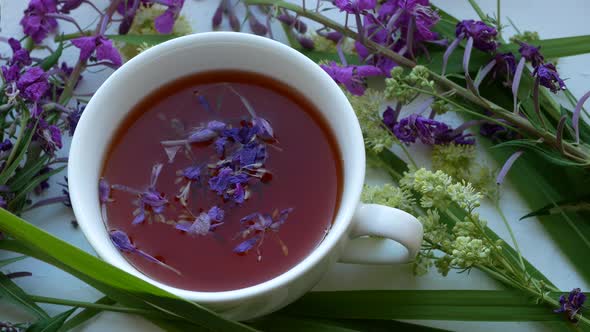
(573, 304)
(483, 35)
(355, 6)
(548, 77)
(122, 242)
(100, 45)
(33, 84)
(352, 77)
(165, 22)
(20, 56)
(36, 23)
(49, 136)
(428, 131)
(531, 53)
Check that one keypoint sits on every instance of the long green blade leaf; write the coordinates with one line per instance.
(11, 292)
(423, 304)
(85, 315)
(5, 262)
(52, 324)
(106, 277)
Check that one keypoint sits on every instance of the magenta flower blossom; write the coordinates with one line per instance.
(256, 225)
(149, 201)
(20, 56)
(99, 45)
(48, 136)
(573, 304)
(531, 53)
(203, 223)
(33, 84)
(416, 127)
(352, 77)
(548, 77)
(165, 22)
(483, 35)
(36, 23)
(122, 242)
(355, 6)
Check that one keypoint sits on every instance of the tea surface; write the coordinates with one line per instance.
(296, 175)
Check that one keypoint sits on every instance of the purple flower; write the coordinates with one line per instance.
(389, 117)
(548, 77)
(73, 118)
(220, 144)
(192, 173)
(100, 45)
(6, 145)
(69, 5)
(256, 27)
(573, 304)
(48, 136)
(122, 242)
(33, 84)
(428, 131)
(256, 225)
(36, 23)
(352, 77)
(230, 185)
(263, 128)
(104, 191)
(531, 53)
(293, 21)
(11, 73)
(250, 154)
(150, 201)
(207, 133)
(202, 224)
(165, 22)
(483, 35)
(20, 56)
(505, 64)
(306, 43)
(220, 182)
(355, 6)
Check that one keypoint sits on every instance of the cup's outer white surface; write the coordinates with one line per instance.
(204, 52)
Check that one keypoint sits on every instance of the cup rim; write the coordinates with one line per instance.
(351, 189)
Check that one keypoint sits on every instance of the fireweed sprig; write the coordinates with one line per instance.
(480, 36)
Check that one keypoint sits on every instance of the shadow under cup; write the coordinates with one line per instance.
(202, 53)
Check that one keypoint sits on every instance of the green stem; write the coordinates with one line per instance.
(499, 18)
(21, 134)
(477, 8)
(572, 152)
(80, 304)
(505, 220)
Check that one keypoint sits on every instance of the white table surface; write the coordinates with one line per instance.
(550, 18)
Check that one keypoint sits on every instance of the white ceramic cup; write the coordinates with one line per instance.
(397, 236)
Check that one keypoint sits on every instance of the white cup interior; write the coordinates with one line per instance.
(197, 53)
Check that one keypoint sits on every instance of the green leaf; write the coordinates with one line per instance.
(32, 185)
(52, 60)
(557, 47)
(85, 315)
(11, 292)
(24, 175)
(533, 145)
(464, 305)
(285, 323)
(138, 40)
(113, 282)
(21, 152)
(570, 205)
(5, 262)
(52, 324)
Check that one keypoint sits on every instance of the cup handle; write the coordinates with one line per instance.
(382, 235)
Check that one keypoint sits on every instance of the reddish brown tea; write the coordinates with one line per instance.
(289, 171)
